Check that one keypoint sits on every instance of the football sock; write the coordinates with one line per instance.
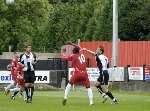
(99, 89)
(24, 95)
(15, 93)
(110, 95)
(90, 95)
(67, 90)
(14, 89)
(32, 91)
(27, 92)
(9, 86)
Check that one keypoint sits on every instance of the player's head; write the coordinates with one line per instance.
(28, 48)
(16, 54)
(76, 50)
(100, 50)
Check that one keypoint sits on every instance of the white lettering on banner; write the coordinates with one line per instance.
(41, 77)
(93, 74)
(135, 73)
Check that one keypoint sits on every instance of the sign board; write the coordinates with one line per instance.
(135, 73)
(116, 74)
(41, 77)
(147, 73)
(5, 77)
(93, 73)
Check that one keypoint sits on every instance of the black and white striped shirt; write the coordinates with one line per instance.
(27, 60)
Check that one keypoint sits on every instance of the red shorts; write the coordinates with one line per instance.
(80, 77)
(21, 82)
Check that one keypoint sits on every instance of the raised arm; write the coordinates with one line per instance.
(91, 52)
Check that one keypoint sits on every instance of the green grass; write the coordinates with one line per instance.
(78, 101)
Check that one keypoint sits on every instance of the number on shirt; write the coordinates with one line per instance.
(81, 58)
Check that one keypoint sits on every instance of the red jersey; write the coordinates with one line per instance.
(14, 62)
(19, 69)
(14, 68)
(20, 78)
(78, 61)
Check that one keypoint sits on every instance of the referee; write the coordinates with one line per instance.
(28, 59)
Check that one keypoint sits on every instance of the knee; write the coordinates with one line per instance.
(105, 90)
(87, 86)
(97, 84)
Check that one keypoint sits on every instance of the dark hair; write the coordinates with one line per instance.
(76, 50)
(26, 46)
(102, 50)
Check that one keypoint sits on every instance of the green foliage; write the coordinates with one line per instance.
(134, 20)
(23, 21)
(48, 24)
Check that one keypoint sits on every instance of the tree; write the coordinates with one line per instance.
(21, 21)
(134, 20)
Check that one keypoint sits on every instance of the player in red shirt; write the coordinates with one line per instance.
(20, 81)
(20, 76)
(79, 74)
(14, 68)
(13, 72)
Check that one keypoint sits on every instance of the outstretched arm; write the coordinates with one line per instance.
(93, 53)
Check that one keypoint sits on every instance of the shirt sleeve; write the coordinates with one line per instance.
(20, 60)
(34, 56)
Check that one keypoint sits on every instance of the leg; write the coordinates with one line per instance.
(26, 77)
(99, 83)
(99, 88)
(26, 89)
(105, 87)
(24, 96)
(114, 100)
(31, 90)
(15, 92)
(67, 91)
(13, 96)
(73, 80)
(90, 95)
(86, 82)
(104, 96)
(8, 87)
(31, 87)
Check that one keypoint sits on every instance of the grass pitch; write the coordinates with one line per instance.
(78, 101)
